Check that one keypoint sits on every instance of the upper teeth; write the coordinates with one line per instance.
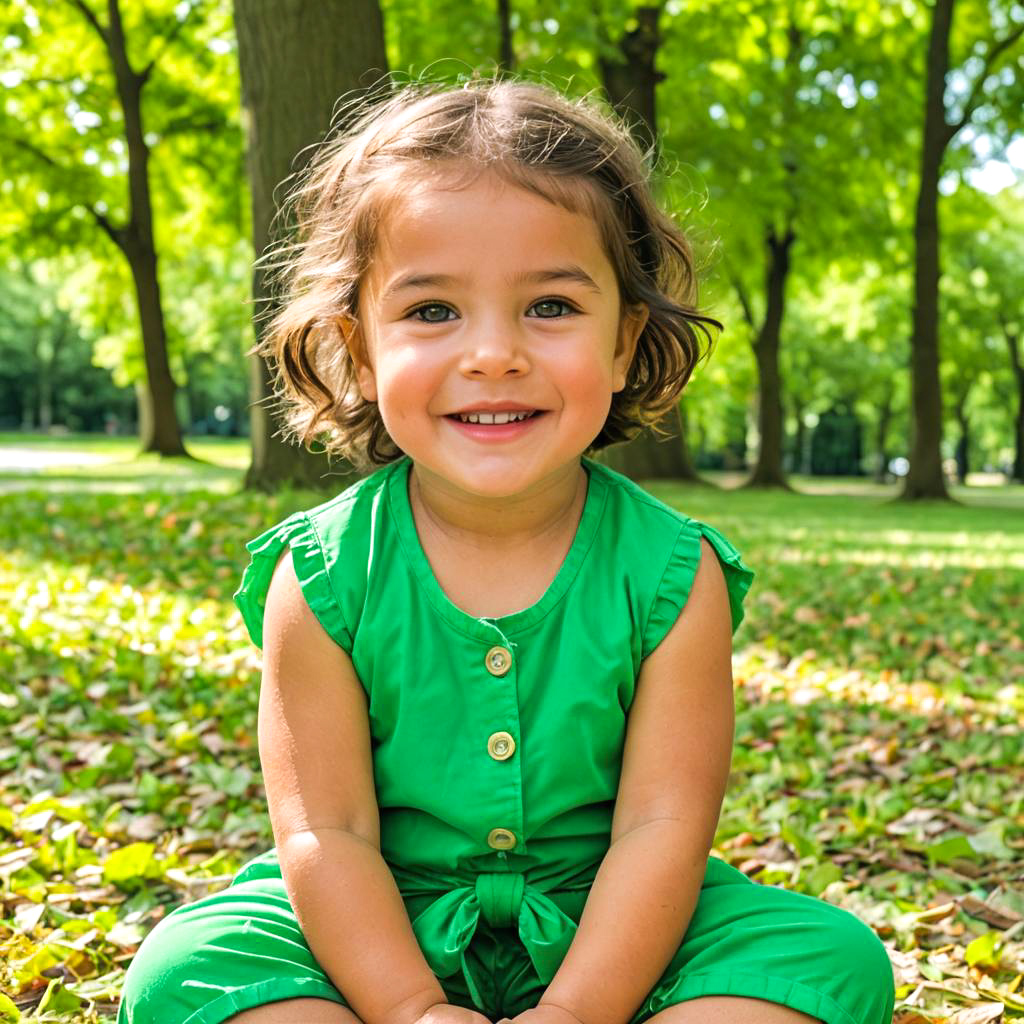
(492, 417)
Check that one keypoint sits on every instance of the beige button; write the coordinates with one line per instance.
(501, 839)
(501, 746)
(498, 660)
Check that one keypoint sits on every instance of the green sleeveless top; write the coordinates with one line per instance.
(497, 742)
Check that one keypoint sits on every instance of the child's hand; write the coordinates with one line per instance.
(445, 1013)
(546, 1013)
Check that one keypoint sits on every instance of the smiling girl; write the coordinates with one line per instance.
(496, 712)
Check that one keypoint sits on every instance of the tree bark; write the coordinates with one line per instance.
(925, 478)
(161, 432)
(632, 84)
(47, 358)
(882, 439)
(506, 53)
(652, 457)
(296, 59)
(768, 470)
(631, 87)
(799, 438)
(1012, 343)
(963, 443)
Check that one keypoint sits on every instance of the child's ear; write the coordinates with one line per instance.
(631, 326)
(355, 342)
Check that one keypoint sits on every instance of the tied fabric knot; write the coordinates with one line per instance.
(500, 895)
(503, 899)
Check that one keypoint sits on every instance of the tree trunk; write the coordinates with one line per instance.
(632, 85)
(631, 88)
(882, 439)
(653, 457)
(963, 442)
(47, 360)
(925, 479)
(799, 438)
(506, 53)
(163, 434)
(296, 59)
(768, 471)
(1012, 343)
(963, 445)
(143, 408)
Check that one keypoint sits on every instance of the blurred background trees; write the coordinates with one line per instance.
(850, 175)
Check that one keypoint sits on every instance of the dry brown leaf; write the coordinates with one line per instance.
(997, 917)
(987, 1013)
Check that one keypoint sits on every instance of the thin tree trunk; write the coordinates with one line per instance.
(652, 456)
(631, 86)
(963, 443)
(1012, 343)
(768, 471)
(506, 54)
(59, 331)
(143, 408)
(799, 437)
(925, 478)
(163, 433)
(296, 59)
(882, 439)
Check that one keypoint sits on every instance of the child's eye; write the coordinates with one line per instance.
(549, 303)
(434, 312)
(427, 308)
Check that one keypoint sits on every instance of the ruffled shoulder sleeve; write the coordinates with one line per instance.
(297, 532)
(677, 579)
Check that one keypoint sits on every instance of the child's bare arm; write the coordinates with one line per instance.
(675, 766)
(314, 742)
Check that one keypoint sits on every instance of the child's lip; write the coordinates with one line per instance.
(495, 407)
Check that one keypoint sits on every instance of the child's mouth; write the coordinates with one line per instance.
(495, 418)
(495, 426)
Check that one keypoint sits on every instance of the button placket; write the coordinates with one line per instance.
(501, 746)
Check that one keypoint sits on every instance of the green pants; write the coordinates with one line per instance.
(242, 947)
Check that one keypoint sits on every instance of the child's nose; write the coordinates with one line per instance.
(494, 352)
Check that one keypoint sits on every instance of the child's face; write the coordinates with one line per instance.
(486, 337)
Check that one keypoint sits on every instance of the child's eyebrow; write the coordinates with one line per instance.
(567, 273)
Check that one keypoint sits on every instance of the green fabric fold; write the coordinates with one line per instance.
(446, 927)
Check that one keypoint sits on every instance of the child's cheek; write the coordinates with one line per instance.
(407, 386)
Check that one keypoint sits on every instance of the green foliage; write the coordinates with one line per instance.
(769, 113)
(880, 690)
(62, 139)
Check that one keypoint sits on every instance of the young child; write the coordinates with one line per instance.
(496, 713)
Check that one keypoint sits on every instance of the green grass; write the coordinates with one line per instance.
(88, 462)
(880, 697)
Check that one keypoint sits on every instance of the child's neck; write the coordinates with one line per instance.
(496, 558)
(484, 522)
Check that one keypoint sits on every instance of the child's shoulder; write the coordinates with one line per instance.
(340, 523)
(325, 541)
(641, 504)
(665, 546)
(353, 499)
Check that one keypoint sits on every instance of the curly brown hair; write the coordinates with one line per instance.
(570, 152)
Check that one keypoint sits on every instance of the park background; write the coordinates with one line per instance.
(851, 178)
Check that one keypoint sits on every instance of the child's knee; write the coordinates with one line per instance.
(154, 984)
(225, 955)
(867, 962)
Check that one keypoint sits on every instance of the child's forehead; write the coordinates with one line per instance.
(427, 198)
(484, 230)
(415, 183)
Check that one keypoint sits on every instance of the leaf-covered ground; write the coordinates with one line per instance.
(878, 760)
